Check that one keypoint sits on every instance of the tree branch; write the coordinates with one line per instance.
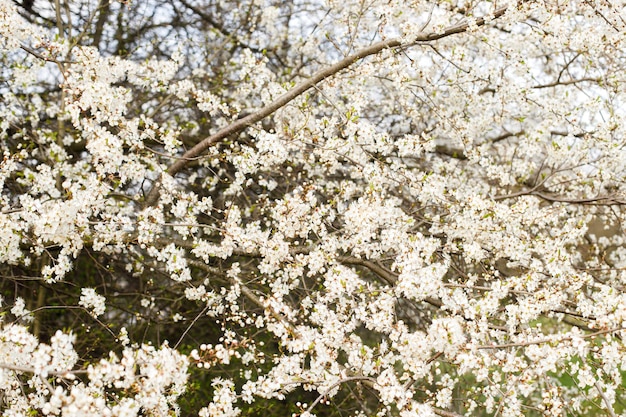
(549, 340)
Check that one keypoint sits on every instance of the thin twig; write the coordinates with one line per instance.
(548, 340)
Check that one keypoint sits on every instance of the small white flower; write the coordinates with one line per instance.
(20, 311)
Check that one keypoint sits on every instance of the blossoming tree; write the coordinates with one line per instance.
(312, 207)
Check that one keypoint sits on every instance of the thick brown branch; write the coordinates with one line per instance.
(389, 277)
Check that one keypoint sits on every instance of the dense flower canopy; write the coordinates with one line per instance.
(312, 207)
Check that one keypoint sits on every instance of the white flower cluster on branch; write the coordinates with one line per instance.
(39, 377)
(384, 208)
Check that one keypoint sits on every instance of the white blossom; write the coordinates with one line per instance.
(92, 301)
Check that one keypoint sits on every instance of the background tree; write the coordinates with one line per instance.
(312, 207)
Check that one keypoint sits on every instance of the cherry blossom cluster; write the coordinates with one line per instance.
(407, 208)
